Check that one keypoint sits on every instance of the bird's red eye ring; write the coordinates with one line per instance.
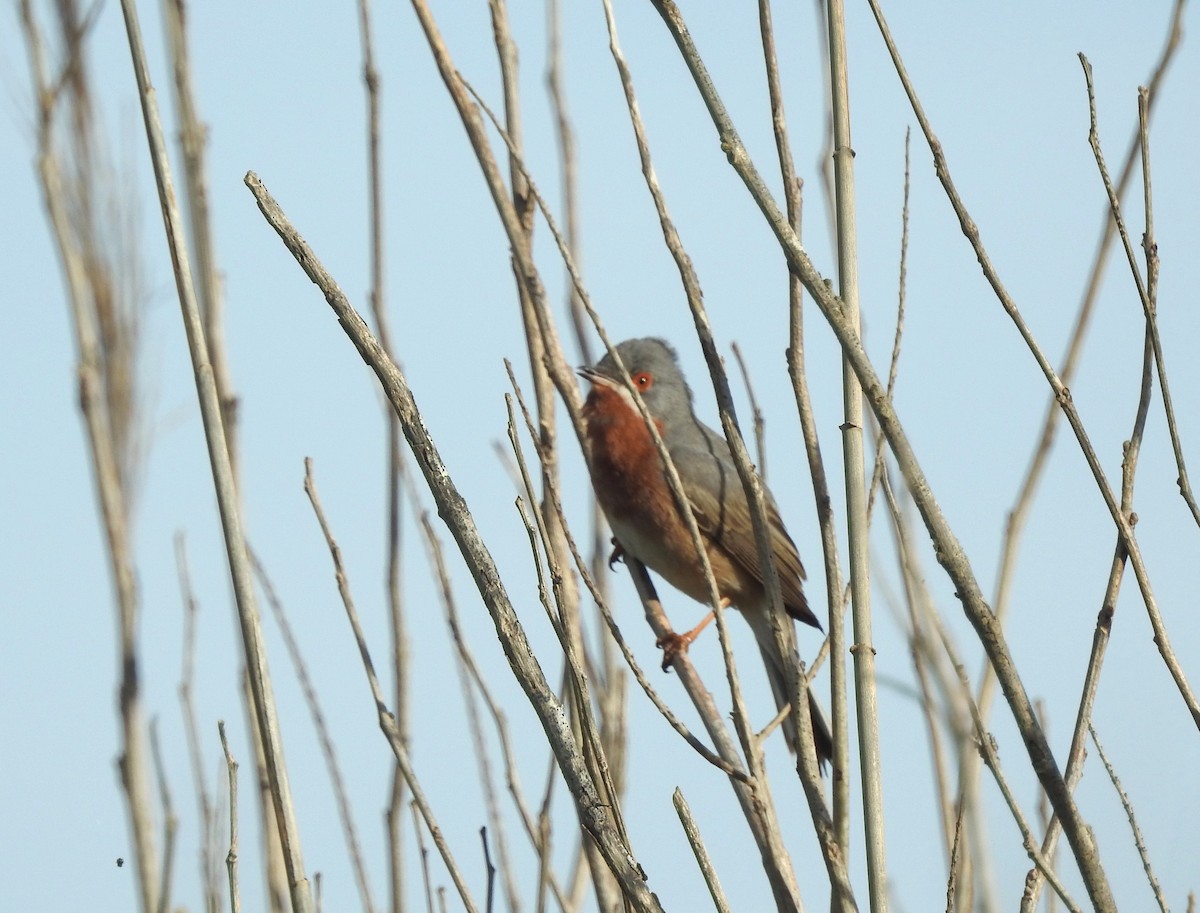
(643, 380)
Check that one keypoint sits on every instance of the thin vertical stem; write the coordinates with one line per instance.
(854, 461)
(222, 470)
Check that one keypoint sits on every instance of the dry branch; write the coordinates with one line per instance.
(455, 513)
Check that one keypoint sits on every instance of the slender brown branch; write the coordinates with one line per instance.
(104, 326)
(1024, 500)
(565, 624)
(231, 858)
(934, 664)
(193, 142)
(877, 471)
(920, 651)
(1161, 639)
(537, 331)
(854, 459)
(1104, 620)
(472, 678)
(328, 750)
(1148, 304)
(760, 443)
(387, 722)
(423, 853)
(208, 865)
(491, 870)
(1138, 841)
(612, 686)
(782, 628)
(453, 509)
(169, 818)
(834, 645)
(377, 296)
(691, 287)
(991, 759)
(222, 471)
(952, 880)
(692, 831)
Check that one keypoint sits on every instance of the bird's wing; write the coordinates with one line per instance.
(712, 486)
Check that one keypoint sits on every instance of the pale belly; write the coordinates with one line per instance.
(673, 558)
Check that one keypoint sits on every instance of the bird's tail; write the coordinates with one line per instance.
(777, 676)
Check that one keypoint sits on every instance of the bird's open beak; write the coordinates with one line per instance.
(592, 376)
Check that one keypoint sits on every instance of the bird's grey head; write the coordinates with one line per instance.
(654, 370)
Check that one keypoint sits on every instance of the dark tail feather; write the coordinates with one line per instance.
(822, 738)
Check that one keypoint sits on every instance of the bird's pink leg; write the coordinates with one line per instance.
(673, 644)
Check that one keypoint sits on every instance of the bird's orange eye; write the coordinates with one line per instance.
(643, 380)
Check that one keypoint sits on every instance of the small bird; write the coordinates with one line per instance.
(631, 486)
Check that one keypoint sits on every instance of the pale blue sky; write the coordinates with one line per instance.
(279, 86)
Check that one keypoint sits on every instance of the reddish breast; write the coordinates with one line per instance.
(630, 484)
(626, 470)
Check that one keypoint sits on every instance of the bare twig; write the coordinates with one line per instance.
(1144, 294)
(835, 863)
(835, 643)
(231, 858)
(565, 135)
(538, 333)
(921, 652)
(453, 510)
(471, 678)
(565, 625)
(395, 453)
(491, 871)
(1024, 500)
(170, 820)
(760, 444)
(222, 470)
(901, 295)
(695, 296)
(692, 831)
(991, 758)
(193, 140)
(328, 750)
(857, 521)
(612, 686)
(387, 722)
(935, 665)
(104, 324)
(208, 865)
(423, 853)
(1161, 639)
(1074, 768)
(951, 881)
(1133, 825)
(1104, 620)
(1045, 815)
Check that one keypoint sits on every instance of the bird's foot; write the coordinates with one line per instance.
(618, 553)
(672, 645)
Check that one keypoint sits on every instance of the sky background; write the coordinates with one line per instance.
(279, 87)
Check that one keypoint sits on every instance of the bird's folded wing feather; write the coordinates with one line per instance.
(715, 492)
